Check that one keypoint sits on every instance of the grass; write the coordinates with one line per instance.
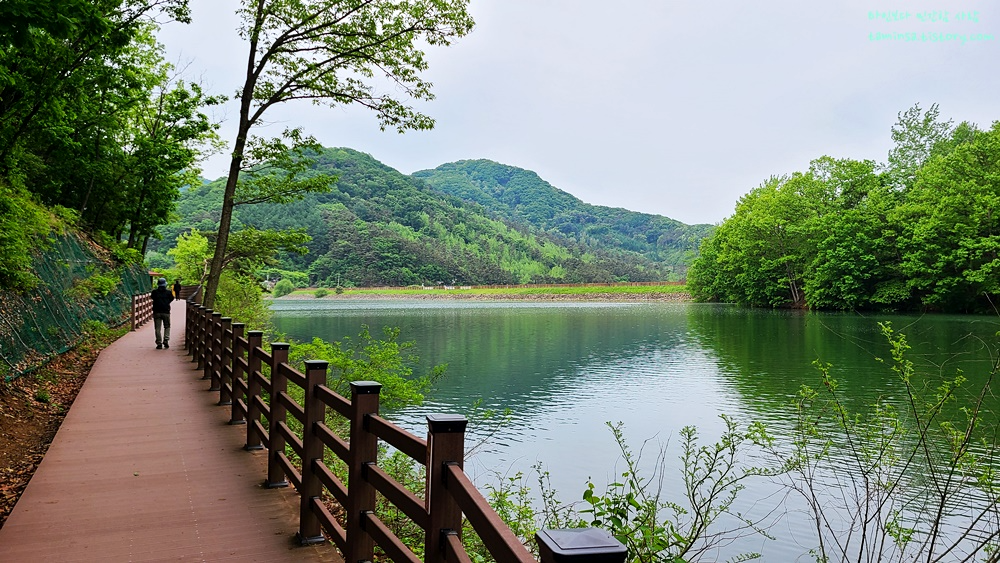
(582, 290)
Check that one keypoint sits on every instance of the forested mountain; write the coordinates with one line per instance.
(921, 232)
(521, 197)
(377, 226)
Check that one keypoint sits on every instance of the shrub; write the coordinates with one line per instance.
(322, 292)
(241, 298)
(282, 288)
(24, 227)
(99, 284)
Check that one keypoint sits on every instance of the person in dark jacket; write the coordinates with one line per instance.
(177, 288)
(162, 298)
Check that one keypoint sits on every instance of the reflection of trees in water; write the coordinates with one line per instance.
(768, 355)
(888, 470)
(507, 355)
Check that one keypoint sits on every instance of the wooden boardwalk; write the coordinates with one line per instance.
(146, 468)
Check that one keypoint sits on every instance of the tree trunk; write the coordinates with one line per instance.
(225, 221)
(235, 164)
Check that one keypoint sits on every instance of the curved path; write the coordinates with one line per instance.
(145, 467)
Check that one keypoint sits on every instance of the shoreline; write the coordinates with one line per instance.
(606, 297)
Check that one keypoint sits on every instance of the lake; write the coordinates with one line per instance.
(564, 369)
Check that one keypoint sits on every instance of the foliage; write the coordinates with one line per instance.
(910, 482)
(297, 279)
(98, 284)
(916, 135)
(98, 331)
(366, 358)
(91, 118)
(950, 226)
(282, 288)
(655, 529)
(321, 293)
(191, 256)
(241, 297)
(921, 233)
(378, 227)
(159, 261)
(511, 497)
(24, 226)
(521, 197)
(639, 291)
(328, 53)
(251, 249)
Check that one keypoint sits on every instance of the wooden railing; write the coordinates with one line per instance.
(190, 291)
(234, 365)
(142, 309)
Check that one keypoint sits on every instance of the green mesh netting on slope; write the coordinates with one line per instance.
(77, 285)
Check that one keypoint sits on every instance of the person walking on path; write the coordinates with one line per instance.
(177, 288)
(162, 298)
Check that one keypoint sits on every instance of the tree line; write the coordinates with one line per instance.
(520, 196)
(919, 232)
(96, 128)
(92, 118)
(376, 226)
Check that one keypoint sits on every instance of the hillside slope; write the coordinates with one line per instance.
(520, 196)
(377, 226)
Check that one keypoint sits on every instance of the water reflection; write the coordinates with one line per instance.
(564, 369)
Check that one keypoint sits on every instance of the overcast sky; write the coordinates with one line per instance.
(673, 107)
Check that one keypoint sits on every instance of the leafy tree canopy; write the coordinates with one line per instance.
(520, 196)
(918, 233)
(379, 227)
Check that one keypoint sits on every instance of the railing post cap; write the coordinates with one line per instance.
(217, 315)
(579, 545)
(280, 346)
(317, 364)
(253, 333)
(446, 423)
(239, 325)
(365, 387)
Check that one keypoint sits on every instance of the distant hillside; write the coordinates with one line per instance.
(380, 227)
(520, 196)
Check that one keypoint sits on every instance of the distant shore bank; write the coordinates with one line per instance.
(675, 297)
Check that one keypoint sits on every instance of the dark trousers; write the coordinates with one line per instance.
(162, 320)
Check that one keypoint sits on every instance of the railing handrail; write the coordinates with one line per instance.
(235, 366)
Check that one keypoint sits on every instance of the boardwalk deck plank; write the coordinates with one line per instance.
(146, 468)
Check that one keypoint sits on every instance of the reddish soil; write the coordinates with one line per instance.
(31, 409)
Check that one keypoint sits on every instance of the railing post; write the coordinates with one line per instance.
(255, 339)
(133, 312)
(310, 531)
(195, 331)
(188, 314)
(225, 367)
(364, 450)
(212, 351)
(579, 545)
(445, 446)
(279, 384)
(202, 342)
(235, 416)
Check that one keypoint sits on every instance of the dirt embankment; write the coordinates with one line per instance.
(31, 410)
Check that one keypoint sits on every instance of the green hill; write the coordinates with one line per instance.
(520, 196)
(380, 227)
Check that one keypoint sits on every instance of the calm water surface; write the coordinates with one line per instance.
(565, 369)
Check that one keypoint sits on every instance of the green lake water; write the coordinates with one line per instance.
(564, 369)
